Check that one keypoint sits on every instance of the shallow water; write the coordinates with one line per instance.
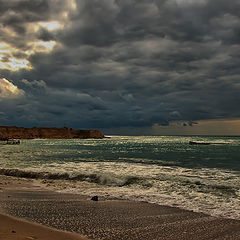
(164, 169)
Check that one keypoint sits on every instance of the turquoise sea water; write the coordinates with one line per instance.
(162, 169)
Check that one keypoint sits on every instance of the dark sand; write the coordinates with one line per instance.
(110, 219)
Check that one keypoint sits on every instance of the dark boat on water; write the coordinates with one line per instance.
(198, 143)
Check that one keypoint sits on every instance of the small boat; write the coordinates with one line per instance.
(198, 143)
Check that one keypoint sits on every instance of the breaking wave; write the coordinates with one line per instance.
(107, 180)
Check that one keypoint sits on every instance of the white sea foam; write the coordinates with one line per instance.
(211, 191)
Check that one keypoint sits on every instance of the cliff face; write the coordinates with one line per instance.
(47, 133)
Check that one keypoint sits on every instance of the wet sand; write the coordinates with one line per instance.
(108, 218)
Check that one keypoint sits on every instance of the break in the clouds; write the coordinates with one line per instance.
(118, 63)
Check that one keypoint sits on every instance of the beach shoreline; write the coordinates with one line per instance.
(15, 228)
(106, 218)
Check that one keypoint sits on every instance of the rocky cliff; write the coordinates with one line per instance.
(47, 133)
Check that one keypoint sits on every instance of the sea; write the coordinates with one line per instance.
(164, 170)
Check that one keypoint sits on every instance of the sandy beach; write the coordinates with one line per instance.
(17, 229)
(39, 213)
(14, 228)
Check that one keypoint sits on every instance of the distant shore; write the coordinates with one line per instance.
(13, 132)
(103, 219)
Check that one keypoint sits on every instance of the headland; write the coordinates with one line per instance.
(13, 132)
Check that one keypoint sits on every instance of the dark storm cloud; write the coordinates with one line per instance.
(15, 14)
(126, 63)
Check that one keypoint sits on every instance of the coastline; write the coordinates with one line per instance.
(105, 219)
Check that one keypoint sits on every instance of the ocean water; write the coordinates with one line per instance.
(158, 169)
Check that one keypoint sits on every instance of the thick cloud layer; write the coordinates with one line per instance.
(116, 63)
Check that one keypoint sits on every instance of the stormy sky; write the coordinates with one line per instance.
(112, 64)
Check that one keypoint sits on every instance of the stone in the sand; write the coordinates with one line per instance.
(94, 198)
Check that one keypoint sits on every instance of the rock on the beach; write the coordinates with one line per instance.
(94, 198)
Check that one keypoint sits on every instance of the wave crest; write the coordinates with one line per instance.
(108, 180)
